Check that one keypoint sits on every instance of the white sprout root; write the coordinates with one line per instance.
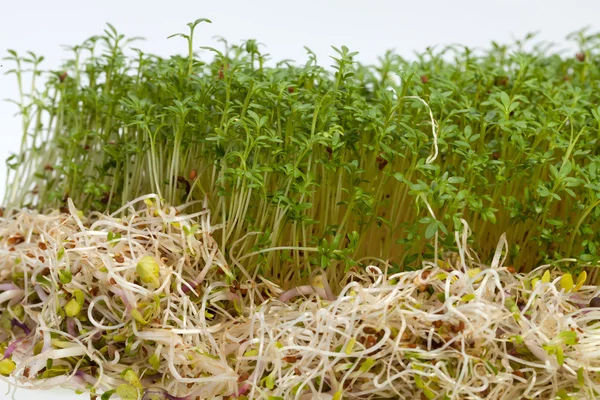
(455, 329)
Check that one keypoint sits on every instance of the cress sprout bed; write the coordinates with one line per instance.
(180, 229)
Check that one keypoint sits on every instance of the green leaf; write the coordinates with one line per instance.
(430, 394)
(431, 230)
(560, 358)
(505, 99)
(563, 395)
(107, 395)
(64, 276)
(148, 270)
(269, 382)
(366, 365)
(581, 377)
(456, 179)
(468, 297)
(7, 366)
(72, 308)
(79, 296)
(154, 361)
(568, 337)
(60, 253)
(566, 169)
(127, 392)
(251, 353)
(350, 346)
(132, 378)
(137, 315)
(491, 367)
(518, 339)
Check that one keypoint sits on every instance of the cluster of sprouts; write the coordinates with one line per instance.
(144, 305)
(327, 158)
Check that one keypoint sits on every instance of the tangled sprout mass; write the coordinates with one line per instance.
(180, 229)
(146, 306)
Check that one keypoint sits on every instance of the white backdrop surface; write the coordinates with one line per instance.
(370, 27)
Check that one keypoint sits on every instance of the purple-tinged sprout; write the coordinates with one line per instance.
(595, 302)
(12, 347)
(578, 301)
(72, 327)
(328, 292)
(15, 322)
(318, 285)
(288, 295)
(123, 297)
(245, 388)
(87, 378)
(40, 292)
(188, 287)
(7, 286)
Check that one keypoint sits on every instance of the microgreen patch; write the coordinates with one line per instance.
(504, 138)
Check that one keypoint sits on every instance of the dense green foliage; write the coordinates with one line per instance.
(329, 162)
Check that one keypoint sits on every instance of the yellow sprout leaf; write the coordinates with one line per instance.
(546, 277)
(251, 353)
(148, 270)
(269, 382)
(155, 361)
(37, 348)
(18, 311)
(127, 392)
(318, 281)
(468, 297)
(566, 282)
(366, 365)
(581, 377)
(138, 316)
(580, 281)
(131, 377)
(350, 346)
(79, 296)
(472, 273)
(7, 366)
(72, 308)
(430, 394)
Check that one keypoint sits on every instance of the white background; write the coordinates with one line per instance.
(370, 27)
